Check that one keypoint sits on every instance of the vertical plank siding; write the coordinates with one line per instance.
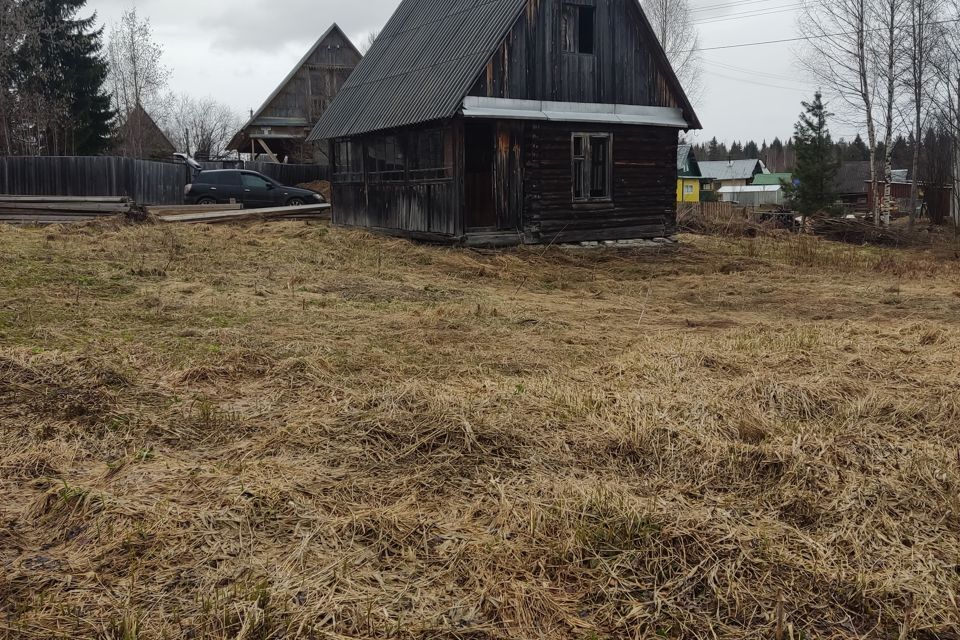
(531, 65)
(430, 208)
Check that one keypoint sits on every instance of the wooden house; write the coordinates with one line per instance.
(509, 121)
(279, 128)
(688, 174)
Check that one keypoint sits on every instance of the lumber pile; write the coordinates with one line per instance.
(174, 210)
(45, 210)
(311, 212)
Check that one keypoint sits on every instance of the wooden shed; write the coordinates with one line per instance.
(279, 128)
(510, 121)
(139, 136)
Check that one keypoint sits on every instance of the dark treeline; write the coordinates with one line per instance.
(780, 157)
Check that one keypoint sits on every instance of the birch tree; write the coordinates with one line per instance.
(13, 30)
(25, 109)
(202, 128)
(891, 20)
(923, 25)
(674, 28)
(138, 76)
(947, 95)
(840, 54)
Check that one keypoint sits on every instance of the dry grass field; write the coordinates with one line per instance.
(291, 431)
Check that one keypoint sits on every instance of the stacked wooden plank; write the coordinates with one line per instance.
(45, 210)
(206, 216)
(163, 210)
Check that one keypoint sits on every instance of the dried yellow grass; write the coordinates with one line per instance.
(290, 431)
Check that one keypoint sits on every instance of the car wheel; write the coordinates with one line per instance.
(206, 201)
(295, 202)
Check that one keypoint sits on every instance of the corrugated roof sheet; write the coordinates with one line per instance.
(729, 169)
(420, 67)
(765, 179)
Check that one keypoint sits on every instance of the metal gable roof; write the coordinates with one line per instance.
(420, 67)
(730, 169)
(425, 60)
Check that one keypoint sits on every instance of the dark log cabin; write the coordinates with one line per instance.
(279, 128)
(510, 121)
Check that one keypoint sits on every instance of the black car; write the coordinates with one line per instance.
(249, 188)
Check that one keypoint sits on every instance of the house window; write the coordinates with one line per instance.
(688, 189)
(577, 29)
(431, 155)
(348, 161)
(386, 161)
(592, 166)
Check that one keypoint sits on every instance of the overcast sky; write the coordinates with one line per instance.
(239, 50)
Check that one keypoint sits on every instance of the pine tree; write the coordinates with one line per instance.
(736, 150)
(751, 150)
(815, 169)
(68, 69)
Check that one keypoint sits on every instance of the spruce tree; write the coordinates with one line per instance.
(858, 150)
(815, 168)
(713, 149)
(68, 69)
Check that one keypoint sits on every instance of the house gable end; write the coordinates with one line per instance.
(538, 61)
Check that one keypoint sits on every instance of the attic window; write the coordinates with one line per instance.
(578, 29)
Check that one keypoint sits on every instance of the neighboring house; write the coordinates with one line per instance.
(510, 121)
(729, 173)
(688, 174)
(753, 195)
(279, 128)
(139, 136)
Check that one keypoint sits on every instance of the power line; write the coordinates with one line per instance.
(726, 5)
(800, 39)
(750, 14)
(759, 84)
(752, 72)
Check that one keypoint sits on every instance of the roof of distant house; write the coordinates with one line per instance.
(764, 179)
(731, 169)
(852, 177)
(687, 165)
(752, 188)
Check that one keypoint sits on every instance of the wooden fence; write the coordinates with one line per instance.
(146, 182)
